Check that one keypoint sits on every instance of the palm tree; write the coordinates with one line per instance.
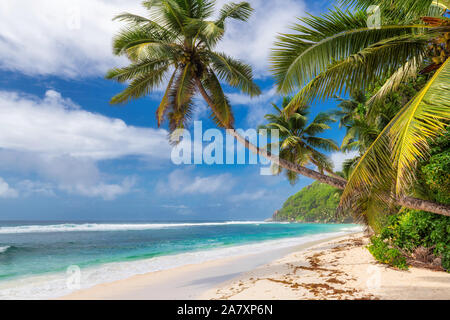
(352, 112)
(333, 53)
(175, 45)
(299, 142)
(179, 37)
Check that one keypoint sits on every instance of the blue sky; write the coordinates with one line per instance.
(66, 154)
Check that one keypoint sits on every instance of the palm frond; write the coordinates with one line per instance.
(142, 85)
(401, 9)
(169, 14)
(426, 117)
(135, 69)
(298, 58)
(138, 43)
(236, 73)
(221, 103)
(294, 53)
(373, 169)
(388, 164)
(362, 69)
(238, 11)
(181, 96)
(165, 101)
(322, 143)
(406, 72)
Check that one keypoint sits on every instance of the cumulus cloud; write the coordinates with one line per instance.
(258, 107)
(249, 196)
(67, 38)
(54, 138)
(6, 191)
(338, 158)
(269, 95)
(28, 187)
(56, 126)
(253, 40)
(105, 191)
(184, 183)
(72, 38)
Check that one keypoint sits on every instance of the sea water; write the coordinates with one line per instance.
(37, 259)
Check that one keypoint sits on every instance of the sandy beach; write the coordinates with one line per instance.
(339, 268)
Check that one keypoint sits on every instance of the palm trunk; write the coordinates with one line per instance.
(424, 205)
(339, 183)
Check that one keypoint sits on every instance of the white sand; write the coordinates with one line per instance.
(338, 269)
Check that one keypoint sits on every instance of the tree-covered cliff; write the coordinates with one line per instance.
(314, 203)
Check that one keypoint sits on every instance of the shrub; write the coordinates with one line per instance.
(384, 253)
(412, 229)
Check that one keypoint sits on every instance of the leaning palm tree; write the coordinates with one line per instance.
(174, 45)
(299, 141)
(179, 37)
(331, 54)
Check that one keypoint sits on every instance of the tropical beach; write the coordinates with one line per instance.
(218, 150)
(334, 269)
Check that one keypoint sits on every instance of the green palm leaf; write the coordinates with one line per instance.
(362, 69)
(236, 73)
(425, 118)
(221, 103)
(165, 101)
(389, 163)
(298, 58)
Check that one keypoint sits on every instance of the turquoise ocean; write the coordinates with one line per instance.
(37, 259)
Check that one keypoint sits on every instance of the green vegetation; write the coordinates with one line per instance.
(421, 236)
(337, 52)
(386, 254)
(176, 40)
(315, 203)
(300, 142)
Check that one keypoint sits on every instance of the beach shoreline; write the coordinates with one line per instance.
(340, 269)
(188, 281)
(333, 268)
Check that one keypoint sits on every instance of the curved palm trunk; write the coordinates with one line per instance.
(340, 183)
(424, 205)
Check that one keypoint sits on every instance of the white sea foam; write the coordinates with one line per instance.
(4, 249)
(67, 227)
(54, 285)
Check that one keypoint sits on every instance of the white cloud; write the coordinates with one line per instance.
(269, 95)
(56, 126)
(253, 40)
(182, 182)
(249, 196)
(258, 107)
(61, 143)
(72, 38)
(338, 158)
(6, 191)
(28, 187)
(66, 37)
(105, 191)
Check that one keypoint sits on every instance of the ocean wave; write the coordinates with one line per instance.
(91, 227)
(54, 285)
(4, 249)
(354, 229)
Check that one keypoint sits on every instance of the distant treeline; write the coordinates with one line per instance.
(315, 203)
